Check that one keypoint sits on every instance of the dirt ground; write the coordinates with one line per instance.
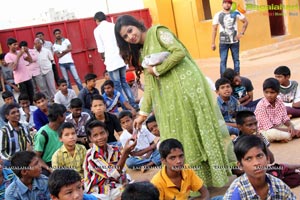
(257, 64)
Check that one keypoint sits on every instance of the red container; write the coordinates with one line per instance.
(81, 34)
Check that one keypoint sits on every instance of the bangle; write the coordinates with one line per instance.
(242, 33)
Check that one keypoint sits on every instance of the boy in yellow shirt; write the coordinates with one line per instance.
(70, 154)
(175, 180)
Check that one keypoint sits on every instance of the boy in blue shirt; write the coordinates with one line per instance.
(112, 97)
(7, 177)
(228, 104)
(30, 184)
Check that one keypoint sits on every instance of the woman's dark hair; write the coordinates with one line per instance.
(129, 52)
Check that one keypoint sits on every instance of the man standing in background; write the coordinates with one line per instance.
(229, 36)
(106, 42)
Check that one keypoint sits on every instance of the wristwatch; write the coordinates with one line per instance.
(242, 33)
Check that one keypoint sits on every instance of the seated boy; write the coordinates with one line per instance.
(255, 183)
(69, 154)
(228, 104)
(14, 136)
(64, 95)
(152, 126)
(145, 154)
(112, 97)
(65, 184)
(40, 114)
(8, 98)
(242, 88)
(270, 112)
(7, 176)
(26, 111)
(46, 141)
(78, 119)
(111, 121)
(140, 190)
(30, 184)
(86, 93)
(104, 176)
(175, 180)
(134, 85)
(247, 124)
(289, 91)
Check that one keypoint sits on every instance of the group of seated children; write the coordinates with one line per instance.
(271, 112)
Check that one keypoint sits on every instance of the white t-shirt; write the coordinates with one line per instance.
(144, 138)
(228, 26)
(64, 45)
(64, 100)
(104, 35)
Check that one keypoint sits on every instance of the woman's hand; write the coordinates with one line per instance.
(137, 123)
(150, 70)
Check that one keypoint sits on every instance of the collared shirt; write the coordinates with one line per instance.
(241, 188)
(169, 191)
(229, 108)
(13, 141)
(100, 173)
(104, 35)
(112, 124)
(17, 190)
(21, 73)
(23, 117)
(269, 116)
(86, 97)
(44, 59)
(63, 158)
(34, 66)
(112, 103)
(67, 58)
(8, 178)
(79, 126)
(64, 100)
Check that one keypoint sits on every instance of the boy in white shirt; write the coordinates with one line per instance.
(145, 154)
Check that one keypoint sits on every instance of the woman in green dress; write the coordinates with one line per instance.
(179, 95)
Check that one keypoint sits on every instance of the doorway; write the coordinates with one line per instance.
(276, 17)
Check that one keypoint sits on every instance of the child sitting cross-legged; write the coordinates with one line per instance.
(30, 184)
(271, 115)
(104, 176)
(69, 154)
(145, 154)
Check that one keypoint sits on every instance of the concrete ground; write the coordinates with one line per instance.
(256, 64)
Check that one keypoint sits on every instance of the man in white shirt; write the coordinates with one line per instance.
(26, 111)
(62, 49)
(106, 42)
(45, 60)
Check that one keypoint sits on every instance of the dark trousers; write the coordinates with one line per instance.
(26, 87)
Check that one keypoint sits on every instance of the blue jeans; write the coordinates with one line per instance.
(65, 67)
(136, 161)
(118, 76)
(233, 130)
(235, 49)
